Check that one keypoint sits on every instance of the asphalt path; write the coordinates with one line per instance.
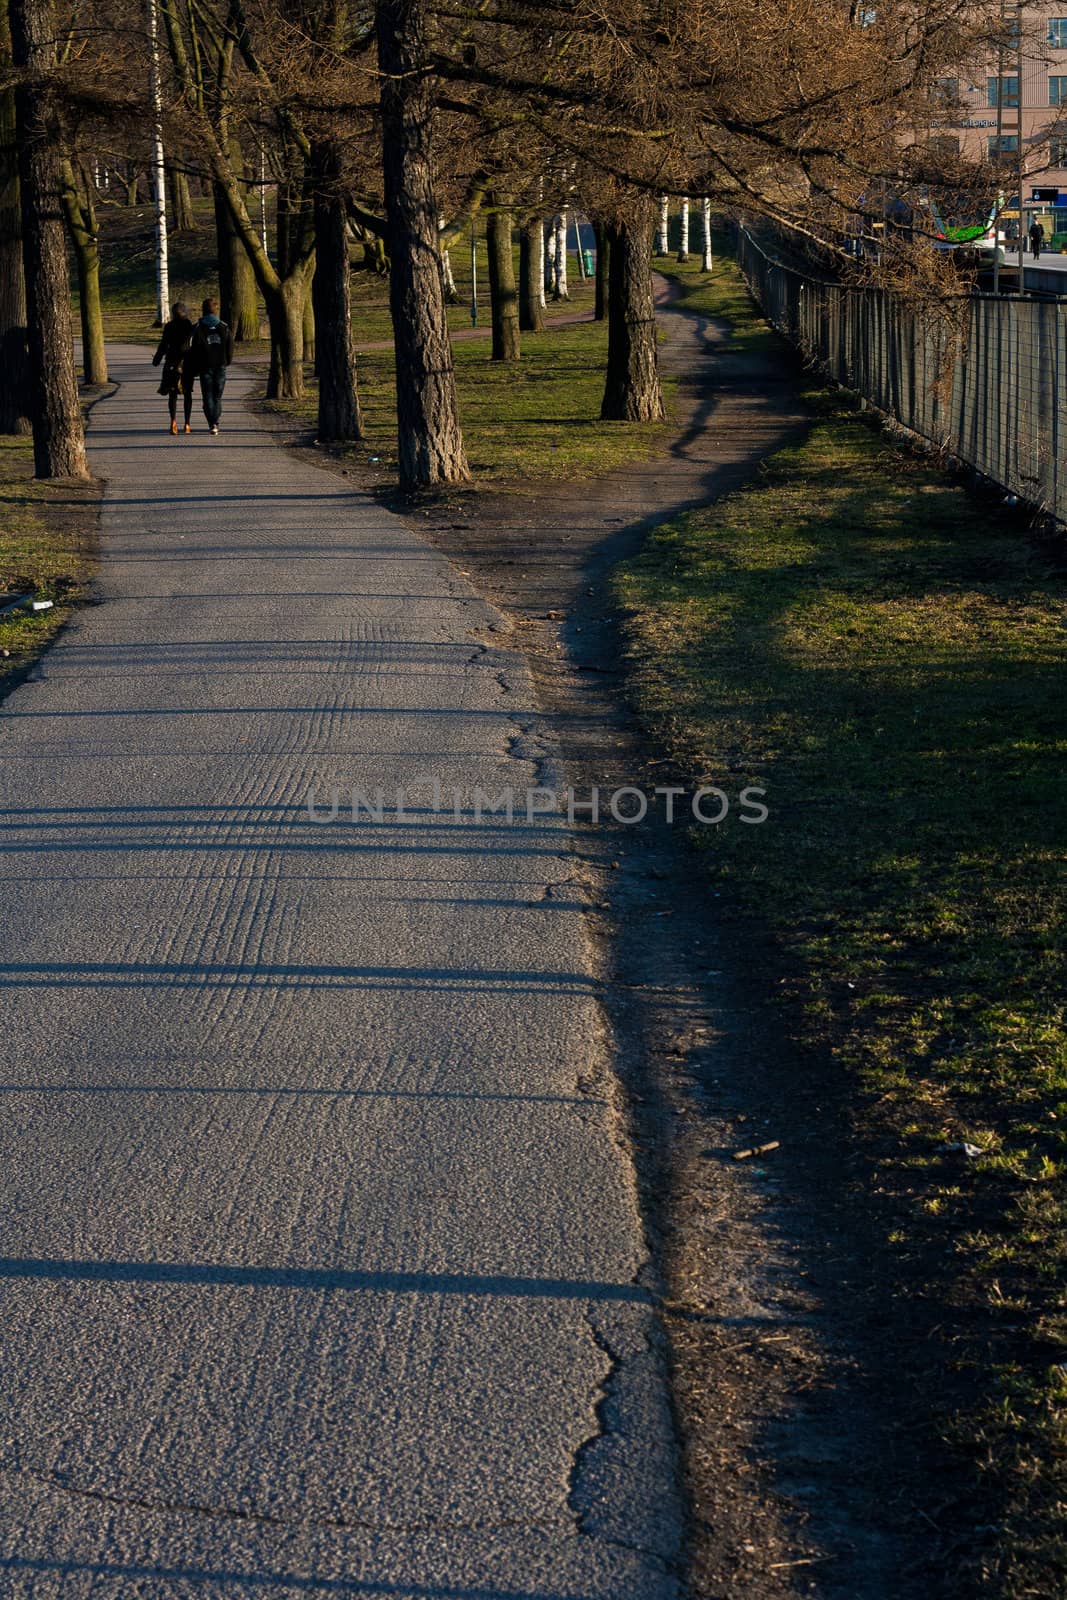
(321, 1266)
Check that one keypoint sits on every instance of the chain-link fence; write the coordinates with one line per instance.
(982, 379)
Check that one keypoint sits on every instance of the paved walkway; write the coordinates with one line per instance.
(321, 1259)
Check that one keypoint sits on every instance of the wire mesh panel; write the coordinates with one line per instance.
(981, 377)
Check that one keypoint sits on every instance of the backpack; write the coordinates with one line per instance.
(211, 346)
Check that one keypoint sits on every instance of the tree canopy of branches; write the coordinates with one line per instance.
(392, 125)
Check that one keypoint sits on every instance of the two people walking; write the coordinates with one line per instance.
(189, 351)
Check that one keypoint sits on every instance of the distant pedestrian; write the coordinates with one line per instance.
(1037, 238)
(212, 352)
(173, 351)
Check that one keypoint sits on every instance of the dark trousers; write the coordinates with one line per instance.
(212, 383)
(187, 399)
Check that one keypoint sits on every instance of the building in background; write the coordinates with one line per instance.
(1013, 115)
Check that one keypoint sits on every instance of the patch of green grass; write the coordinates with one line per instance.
(722, 294)
(47, 548)
(535, 418)
(884, 653)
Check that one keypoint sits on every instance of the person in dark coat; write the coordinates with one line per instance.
(173, 352)
(1037, 238)
(212, 352)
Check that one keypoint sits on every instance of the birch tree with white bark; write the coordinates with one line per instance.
(560, 290)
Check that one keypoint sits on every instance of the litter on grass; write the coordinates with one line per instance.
(24, 602)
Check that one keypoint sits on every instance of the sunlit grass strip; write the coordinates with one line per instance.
(886, 654)
(45, 549)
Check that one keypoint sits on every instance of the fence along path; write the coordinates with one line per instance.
(987, 387)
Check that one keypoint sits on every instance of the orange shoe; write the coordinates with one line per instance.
(188, 427)
(174, 427)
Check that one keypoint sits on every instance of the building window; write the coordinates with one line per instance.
(1057, 152)
(1057, 91)
(1006, 145)
(1009, 91)
(1057, 32)
(947, 91)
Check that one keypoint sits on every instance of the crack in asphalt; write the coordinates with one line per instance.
(223, 1513)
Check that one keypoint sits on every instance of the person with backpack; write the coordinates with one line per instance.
(212, 352)
(173, 351)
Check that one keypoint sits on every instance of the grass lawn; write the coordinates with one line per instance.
(884, 652)
(47, 547)
(535, 418)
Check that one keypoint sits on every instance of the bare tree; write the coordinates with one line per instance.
(209, 110)
(80, 214)
(531, 275)
(430, 443)
(705, 234)
(662, 231)
(632, 392)
(14, 365)
(58, 437)
(339, 410)
(683, 237)
(504, 299)
(560, 291)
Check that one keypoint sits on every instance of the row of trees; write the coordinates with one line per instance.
(394, 124)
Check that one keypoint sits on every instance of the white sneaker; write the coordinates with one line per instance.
(215, 427)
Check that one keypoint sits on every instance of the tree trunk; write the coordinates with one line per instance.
(183, 219)
(429, 437)
(14, 366)
(451, 292)
(237, 280)
(663, 231)
(683, 244)
(285, 312)
(539, 251)
(579, 254)
(227, 249)
(560, 290)
(603, 259)
(548, 251)
(94, 357)
(133, 185)
(288, 223)
(80, 216)
(531, 287)
(632, 392)
(331, 289)
(309, 326)
(58, 439)
(503, 295)
(705, 235)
